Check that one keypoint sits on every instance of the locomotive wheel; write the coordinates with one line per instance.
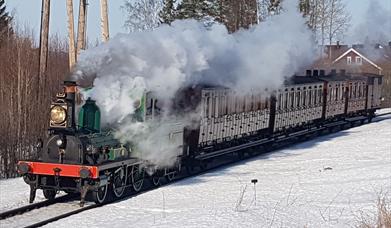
(100, 195)
(119, 185)
(137, 177)
(49, 193)
(156, 180)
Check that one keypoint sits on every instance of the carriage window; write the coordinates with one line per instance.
(280, 101)
(286, 100)
(232, 104)
(249, 99)
(350, 91)
(310, 97)
(252, 106)
(207, 107)
(298, 95)
(292, 97)
(336, 94)
(221, 105)
(320, 96)
(213, 107)
(239, 104)
(244, 103)
(256, 102)
(216, 105)
(226, 105)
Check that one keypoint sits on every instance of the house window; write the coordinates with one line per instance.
(358, 60)
(349, 60)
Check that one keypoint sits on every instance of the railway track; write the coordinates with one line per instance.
(60, 207)
(15, 216)
(383, 114)
(30, 207)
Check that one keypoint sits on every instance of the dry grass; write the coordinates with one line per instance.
(382, 219)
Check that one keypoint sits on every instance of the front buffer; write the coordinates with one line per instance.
(54, 177)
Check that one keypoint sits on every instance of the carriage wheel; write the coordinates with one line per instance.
(137, 177)
(100, 195)
(156, 180)
(49, 193)
(119, 185)
(170, 175)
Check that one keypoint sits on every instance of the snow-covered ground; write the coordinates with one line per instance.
(15, 193)
(328, 181)
(383, 110)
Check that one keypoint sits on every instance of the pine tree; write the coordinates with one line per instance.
(168, 13)
(207, 11)
(275, 7)
(305, 7)
(5, 20)
(191, 9)
(142, 14)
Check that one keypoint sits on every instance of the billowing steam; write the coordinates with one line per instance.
(187, 53)
(375, 27)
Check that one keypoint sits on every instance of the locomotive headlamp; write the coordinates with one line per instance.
(58, 114)
(59, 142)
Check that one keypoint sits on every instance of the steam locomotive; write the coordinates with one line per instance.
(83, 158)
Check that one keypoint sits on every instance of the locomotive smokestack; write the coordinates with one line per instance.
(70, 88)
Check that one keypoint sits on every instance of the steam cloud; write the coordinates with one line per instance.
(375, 28)
(184, 54)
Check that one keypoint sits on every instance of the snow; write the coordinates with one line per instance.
(15, 193)
(383, 111)
(328, 181)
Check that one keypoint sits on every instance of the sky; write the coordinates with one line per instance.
(28, 12)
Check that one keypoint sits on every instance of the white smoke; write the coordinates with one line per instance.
(375, 27)
(186, 53)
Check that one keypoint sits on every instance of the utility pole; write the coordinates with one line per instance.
(104, 20)
(81, 30)
(43, 46)
(71, 34)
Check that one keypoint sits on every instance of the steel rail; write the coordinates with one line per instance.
(58, 217)
(30, 207)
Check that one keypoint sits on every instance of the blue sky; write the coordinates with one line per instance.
(28, 12)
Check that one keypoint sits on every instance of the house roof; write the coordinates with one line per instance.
(359, 54)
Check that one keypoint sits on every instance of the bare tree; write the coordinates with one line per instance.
(338, 20)
(142, 14)
(24, 119)
(328, 19)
